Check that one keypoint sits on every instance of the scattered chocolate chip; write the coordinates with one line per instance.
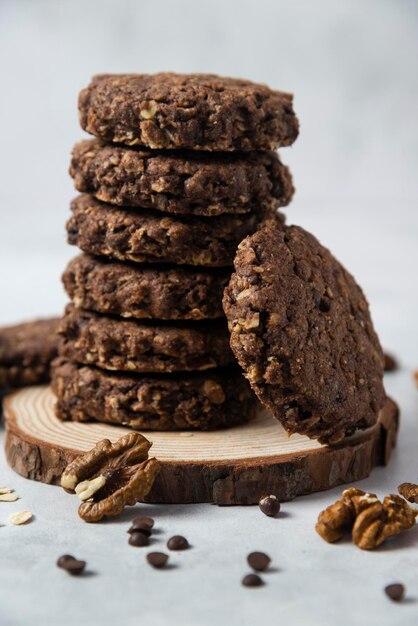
(252, 580)
(143, 522)
(391, 363)
(140, 529)
(258, 561)
(72, 565)
(138, 539)
(65, 558)
(395, 592)
(177, 543)
(157, 559)
(143, 525)
(269, 505)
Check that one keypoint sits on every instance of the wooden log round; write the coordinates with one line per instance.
(233, 466)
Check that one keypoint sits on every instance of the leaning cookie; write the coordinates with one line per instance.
(182, 183)
(301, 330)
(190, 111)
(216, 399)
(117, 344)
(142, 291)
(26, 351)
(150, 237)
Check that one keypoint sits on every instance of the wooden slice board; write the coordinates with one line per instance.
(233, 466)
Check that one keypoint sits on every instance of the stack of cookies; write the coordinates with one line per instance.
(181, 169)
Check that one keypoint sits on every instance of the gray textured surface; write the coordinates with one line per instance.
(352, 68)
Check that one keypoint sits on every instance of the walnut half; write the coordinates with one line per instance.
(380, 521)
(409, 491)
(370, 520)
(339, 517)
(111, 476)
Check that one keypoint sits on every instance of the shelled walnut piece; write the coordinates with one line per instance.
(111, 476)
(339, 517)
(381, 521)
(409, 491)
(370, 520)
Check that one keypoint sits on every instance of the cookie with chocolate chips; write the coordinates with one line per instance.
(214, 399)
(145, 291)
(189, 111)
(132, 346)
(301, 330)
(26, 351)
(179, 182)
(151, 237)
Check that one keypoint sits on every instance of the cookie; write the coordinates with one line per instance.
(148, 237)
(182, 183)
(216, 399)
(26, 351)
(125, 345)
(140, 291)
(188, 111)
(301, 330)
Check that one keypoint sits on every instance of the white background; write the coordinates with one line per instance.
(353, 68)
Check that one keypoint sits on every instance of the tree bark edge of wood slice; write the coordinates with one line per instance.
(237, 482)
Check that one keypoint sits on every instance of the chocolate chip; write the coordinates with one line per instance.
(395, 592)
(138, 539)
(145, 530)
(177, 543)
(252, 580)
(391, 363)
(269, 505)
(143, 525)
(143, 522)
(258, 561)
(324, 305)
(72, 565)
(65, 558)
(157, 559)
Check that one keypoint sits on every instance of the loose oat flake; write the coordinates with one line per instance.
(4, 490)
(20, 518)
(8, 497)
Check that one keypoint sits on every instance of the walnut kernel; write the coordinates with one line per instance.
(87, 488)
(409, 491)
(378, 522)
(111, 476)
(371, 521)
(339, 517)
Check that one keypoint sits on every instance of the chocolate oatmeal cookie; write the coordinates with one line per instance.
(26, 351)
(116, 344)
(188, 183)
(172, 293)
(194, 111)
(301, 330)
(149, 237)
(216, 399)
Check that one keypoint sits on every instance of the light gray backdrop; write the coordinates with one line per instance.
(352, 68)
(352, 65)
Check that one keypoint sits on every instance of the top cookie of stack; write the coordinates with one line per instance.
(181, 170)
(192, 112)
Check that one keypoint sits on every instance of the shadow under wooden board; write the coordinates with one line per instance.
(232, 466)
